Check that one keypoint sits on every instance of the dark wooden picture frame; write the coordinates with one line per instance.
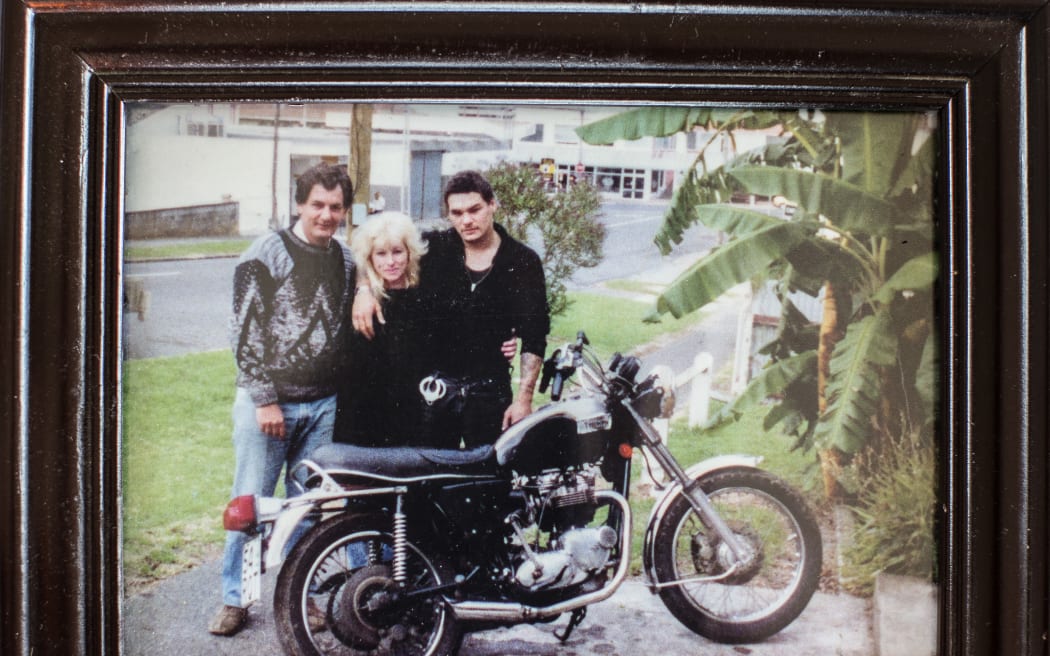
(69, 68)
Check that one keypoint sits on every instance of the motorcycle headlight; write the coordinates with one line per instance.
(664, 381)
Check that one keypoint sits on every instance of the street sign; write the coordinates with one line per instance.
(547, 167)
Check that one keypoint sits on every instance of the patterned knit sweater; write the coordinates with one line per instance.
(291, 306)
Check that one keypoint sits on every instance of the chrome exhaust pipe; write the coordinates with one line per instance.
(515, 613)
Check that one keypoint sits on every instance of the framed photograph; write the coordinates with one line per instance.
(119, 119)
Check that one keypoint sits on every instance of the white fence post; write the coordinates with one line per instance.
(700, 393)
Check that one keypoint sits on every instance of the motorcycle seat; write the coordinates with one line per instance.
(405, 464)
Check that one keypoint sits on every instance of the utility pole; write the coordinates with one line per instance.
(359, 166)
(275, 221)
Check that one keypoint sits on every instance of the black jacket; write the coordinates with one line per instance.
(468, 327)
(379, 402)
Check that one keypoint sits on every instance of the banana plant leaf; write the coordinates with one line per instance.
(854, 388)
(927, 377)
(876, 147)
(916, 274)
(735, 262)
(914, 188)
(736, 221)
(847, 206)
(818, 148)
(665, 121)
(818, 260)
(796, 413)
(695, 190)
(772, 380)
(716, 186)
(795, 332)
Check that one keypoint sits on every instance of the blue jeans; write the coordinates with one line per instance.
(259, 459)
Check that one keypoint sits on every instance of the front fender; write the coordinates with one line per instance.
(674, 490)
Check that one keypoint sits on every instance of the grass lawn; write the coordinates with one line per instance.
(178, 456)
(635, 286)
(186, 249)
(177, 460)
(613, 324)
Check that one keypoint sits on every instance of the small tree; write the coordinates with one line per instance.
(564, 225)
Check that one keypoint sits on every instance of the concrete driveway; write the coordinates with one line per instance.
(171, 620)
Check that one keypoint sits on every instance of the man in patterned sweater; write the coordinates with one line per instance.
(291, 293)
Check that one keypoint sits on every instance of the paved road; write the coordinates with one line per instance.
(190, 299)
(189, 309)
(629, 248)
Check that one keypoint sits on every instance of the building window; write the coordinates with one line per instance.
(663, 143)
(608, 180)
(534, 134)
(211, 127)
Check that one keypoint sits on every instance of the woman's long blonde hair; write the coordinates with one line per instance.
(387, 228)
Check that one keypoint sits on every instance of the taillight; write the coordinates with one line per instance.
(239, 514)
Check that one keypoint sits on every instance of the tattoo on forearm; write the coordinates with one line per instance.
(530, 373)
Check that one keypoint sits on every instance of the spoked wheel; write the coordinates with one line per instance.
(336, 596)
(722, 597)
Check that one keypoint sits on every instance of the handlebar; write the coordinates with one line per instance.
(559, 380)
(564, 362)
(617, 383)
(550, 367)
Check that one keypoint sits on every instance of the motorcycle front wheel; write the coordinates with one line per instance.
(336, 595)
(739, 602)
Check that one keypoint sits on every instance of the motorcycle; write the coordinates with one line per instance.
(404, 551)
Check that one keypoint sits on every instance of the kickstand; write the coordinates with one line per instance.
(574, 621)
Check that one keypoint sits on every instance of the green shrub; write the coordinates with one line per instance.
(568, 224)
(895, 509)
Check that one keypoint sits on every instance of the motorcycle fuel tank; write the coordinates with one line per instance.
(562, 434)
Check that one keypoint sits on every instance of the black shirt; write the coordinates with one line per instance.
(469, 325)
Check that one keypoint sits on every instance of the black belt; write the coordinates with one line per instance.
(436, 387)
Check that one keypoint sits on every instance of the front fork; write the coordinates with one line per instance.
(690, 487)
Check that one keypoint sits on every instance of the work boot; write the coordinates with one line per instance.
(228, 621)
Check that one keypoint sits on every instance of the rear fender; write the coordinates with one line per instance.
(283, 528)
(286, 515)
(674, 490)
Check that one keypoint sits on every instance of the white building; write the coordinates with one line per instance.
(191, 155)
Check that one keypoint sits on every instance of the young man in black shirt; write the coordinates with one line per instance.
(481, 287)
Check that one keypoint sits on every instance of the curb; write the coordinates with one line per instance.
(904, 618)
(175, 258)
(904, 608)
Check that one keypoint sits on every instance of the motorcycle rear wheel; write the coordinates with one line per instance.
(762, 596)
(341, 571)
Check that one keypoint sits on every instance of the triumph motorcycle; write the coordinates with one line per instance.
(404, 551)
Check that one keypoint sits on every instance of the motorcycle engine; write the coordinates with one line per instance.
(577, 554)
(561, 504)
